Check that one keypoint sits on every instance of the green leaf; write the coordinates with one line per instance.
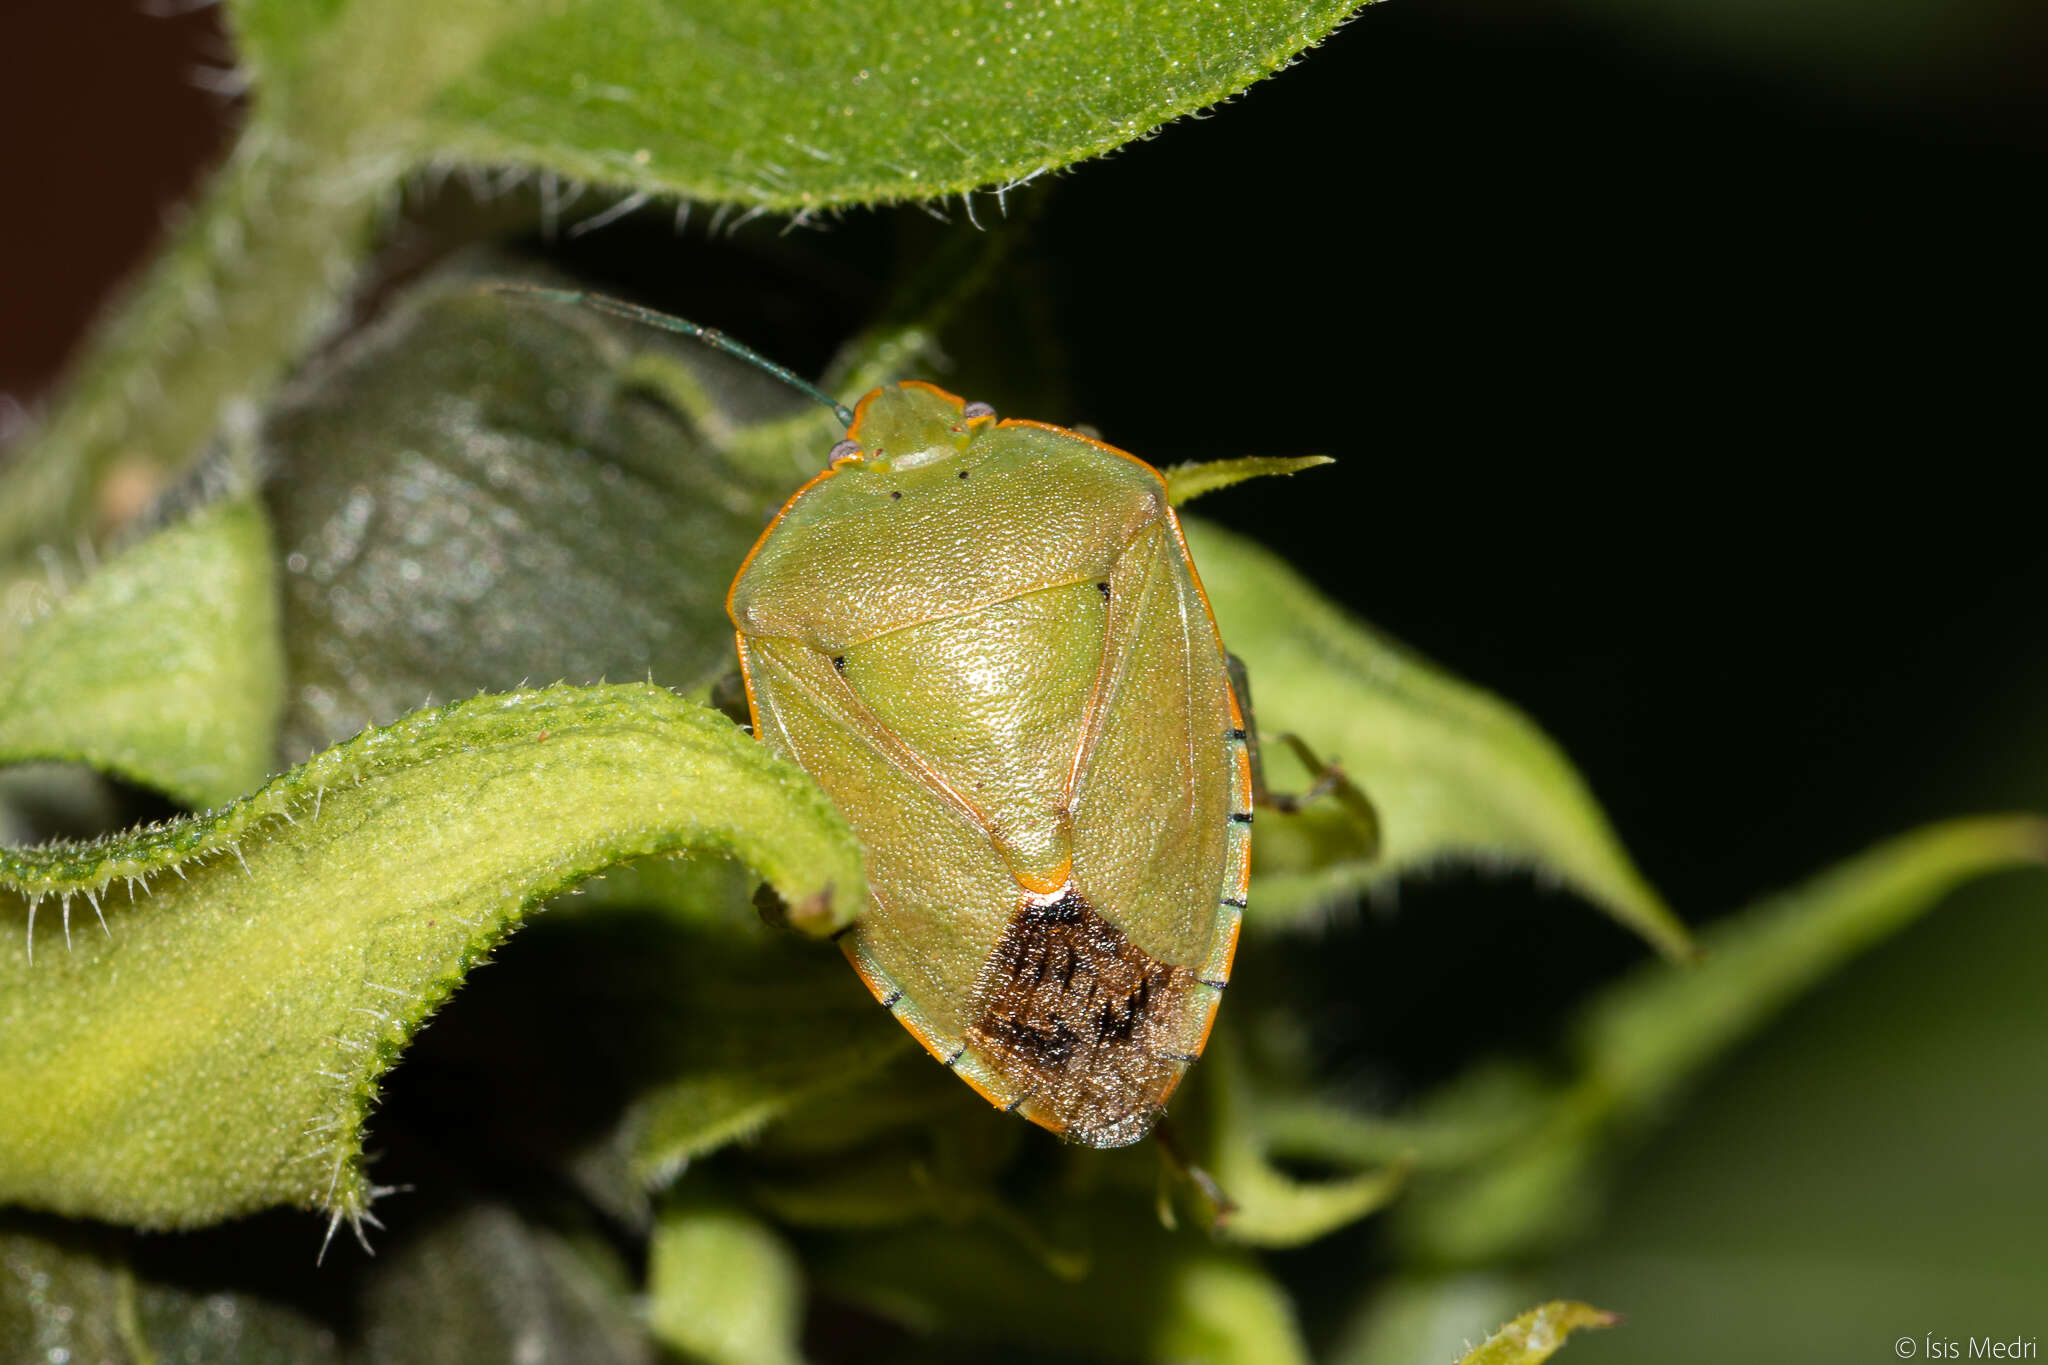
(724, 1288)
(1651, 1034)
(163, 668)
(1488, 1108)
(1452, 771)
(1141, 1293)
(479, 491)
(1641, 1042)
(1538, 1334)
(787, 106)
(217, 1049)
(1186, 482)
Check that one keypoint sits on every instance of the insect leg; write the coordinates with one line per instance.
(1221, 1206)
(729, 697)
(1330, 781)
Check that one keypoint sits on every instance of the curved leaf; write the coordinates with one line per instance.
(1452, 771)
(1651, 1033)
(217, 1050)
(858, 102)
(1642, 1041)
(780, 105)
(163, 668)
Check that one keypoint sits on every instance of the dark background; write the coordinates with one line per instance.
(1683, 362)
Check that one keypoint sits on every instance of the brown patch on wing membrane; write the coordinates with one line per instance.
(1083, 1021)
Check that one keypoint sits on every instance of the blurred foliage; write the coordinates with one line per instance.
(663, 1126)
(724, 1287)
(1637, 1044)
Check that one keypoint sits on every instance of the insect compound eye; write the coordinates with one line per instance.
(845, 450)
(973, 410)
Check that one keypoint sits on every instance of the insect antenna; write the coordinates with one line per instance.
(710, 336)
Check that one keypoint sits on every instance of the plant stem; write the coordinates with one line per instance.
(258, 269)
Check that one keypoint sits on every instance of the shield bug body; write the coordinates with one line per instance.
(987, 643)
(985, 640)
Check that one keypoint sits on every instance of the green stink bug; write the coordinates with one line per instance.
(986, 642)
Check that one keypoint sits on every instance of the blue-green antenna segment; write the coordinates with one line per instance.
(710, 336)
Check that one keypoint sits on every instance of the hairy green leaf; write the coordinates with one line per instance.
(162, 668)
(793, 106)
(217, 1049)
(780, 105)
(1641, 1042)
(723, 1287)
(1538, 1334)
(1452, 771)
